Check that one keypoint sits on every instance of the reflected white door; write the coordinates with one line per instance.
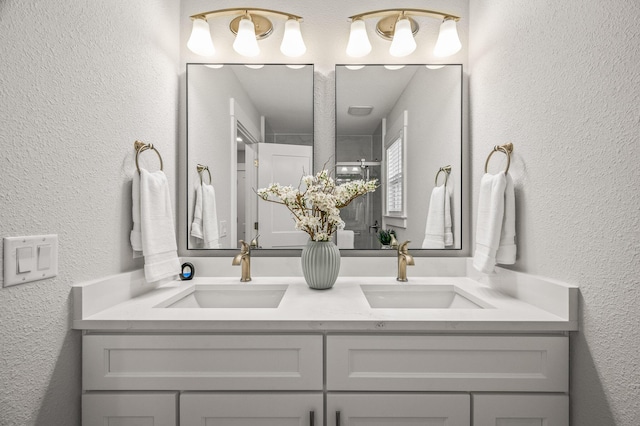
(242, 208)
(251, 185)
(283, 164)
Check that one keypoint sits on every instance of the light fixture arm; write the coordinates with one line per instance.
(244, 11)
(408, 12)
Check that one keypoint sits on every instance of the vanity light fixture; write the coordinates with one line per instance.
(249, 26)
(398, 26)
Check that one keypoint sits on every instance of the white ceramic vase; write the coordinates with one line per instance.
(320, 264)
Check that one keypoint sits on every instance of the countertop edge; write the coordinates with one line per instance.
(199, 326)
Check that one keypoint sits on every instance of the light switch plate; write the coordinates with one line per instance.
(42, 264)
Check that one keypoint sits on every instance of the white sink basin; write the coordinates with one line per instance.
(402, 296)
(230, 296)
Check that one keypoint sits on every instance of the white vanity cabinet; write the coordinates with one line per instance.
(325, 378)
(244, 379)
(474, 364)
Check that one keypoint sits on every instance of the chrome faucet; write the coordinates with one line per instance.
(404, 259)
(244, 260)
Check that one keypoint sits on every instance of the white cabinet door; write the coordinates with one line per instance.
(388, 409)
(129, 409)
(251, 409)
(521, 410)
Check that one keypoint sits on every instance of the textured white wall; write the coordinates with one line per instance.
(79, 82)
(561, 81)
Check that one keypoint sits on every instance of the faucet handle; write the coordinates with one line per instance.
(402, 248)
(245, 247)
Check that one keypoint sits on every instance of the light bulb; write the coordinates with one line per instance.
(200, 41)
(292, 42)
(403, 43)
(448, 41)
(358, 45)
(246, 43)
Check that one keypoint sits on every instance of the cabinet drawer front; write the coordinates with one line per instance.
(448, 363)
(282, 409)
(398, 409)
(520, 410)
(130, 409)
(202, 362)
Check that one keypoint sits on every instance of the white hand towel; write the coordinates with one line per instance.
(448, 233)
(438, 232)
(493, 224)
(157, 227)
(506, 254)
(205, 217)
(196, 225)
(136, 234)
(210, 232)
(346, 239)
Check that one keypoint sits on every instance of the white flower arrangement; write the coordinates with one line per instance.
(316, 209)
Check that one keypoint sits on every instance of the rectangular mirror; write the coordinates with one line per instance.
(247, 126)
(403, 126)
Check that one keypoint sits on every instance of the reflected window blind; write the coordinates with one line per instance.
(394, 177)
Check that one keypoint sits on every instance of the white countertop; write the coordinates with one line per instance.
(342, 308)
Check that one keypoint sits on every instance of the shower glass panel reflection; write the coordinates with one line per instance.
(363, 217)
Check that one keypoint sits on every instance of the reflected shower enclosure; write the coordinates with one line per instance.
(363, 216)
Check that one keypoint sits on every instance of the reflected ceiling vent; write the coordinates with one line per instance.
(360, 111)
